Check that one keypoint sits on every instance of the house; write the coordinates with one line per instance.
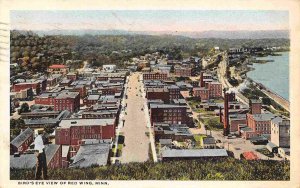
(22, 142)
(209, 142)
(58, 69)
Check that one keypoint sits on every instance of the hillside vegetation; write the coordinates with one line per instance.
(204, 169)
(35, 53)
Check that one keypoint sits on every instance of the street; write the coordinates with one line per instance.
(136, 141)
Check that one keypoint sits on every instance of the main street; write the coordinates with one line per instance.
(135, 127)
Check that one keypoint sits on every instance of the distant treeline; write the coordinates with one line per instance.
(35, 53)
(204, 169)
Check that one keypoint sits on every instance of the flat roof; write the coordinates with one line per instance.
(67, 95)
(263, 117)
(67, 123)
(174, 153)
(154, 105)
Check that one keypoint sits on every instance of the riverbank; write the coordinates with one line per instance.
(240, 72)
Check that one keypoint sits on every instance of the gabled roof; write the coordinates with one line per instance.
(22, 137)
(92, 154)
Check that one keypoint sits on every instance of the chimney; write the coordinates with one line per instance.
(220, 114)
(17, 154)
(201, 79)
(226, 118)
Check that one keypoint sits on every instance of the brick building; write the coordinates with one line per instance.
(72, 131)
(158, 93)
(155, 76)
(174, 92)
(67, 101)
(22, 142)
(178, 132)
(257, 123)
(215, 89)
(45, 99)
(37, 86)
(211, 90)
(91, 100)
(169, 113)
(183, 72)
(255, 106)
(201, 92)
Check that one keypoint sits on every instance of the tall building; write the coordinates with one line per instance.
(67, 101)
(280, 132)
(72, 131)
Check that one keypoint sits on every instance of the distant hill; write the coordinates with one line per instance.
(259, 34)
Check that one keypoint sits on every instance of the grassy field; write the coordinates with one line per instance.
(202, 169)
(199, 139)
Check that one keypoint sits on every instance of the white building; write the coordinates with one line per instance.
(280, 132)
(109, 68)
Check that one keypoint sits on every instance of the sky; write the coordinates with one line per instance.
(151, 20)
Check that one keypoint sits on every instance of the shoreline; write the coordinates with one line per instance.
(284, 103)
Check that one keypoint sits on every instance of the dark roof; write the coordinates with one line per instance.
(92, 154)
(22, 137)
(165, 141)
(209, 140)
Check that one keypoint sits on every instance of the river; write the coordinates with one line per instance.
(274, 75)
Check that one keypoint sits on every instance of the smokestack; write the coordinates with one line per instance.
(226, 118)
(220, 115)
(201, 79)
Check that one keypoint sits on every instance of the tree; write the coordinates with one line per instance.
(48, 129)
(15, 132)
(266, 101)
(24, 108)
(214, 124)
